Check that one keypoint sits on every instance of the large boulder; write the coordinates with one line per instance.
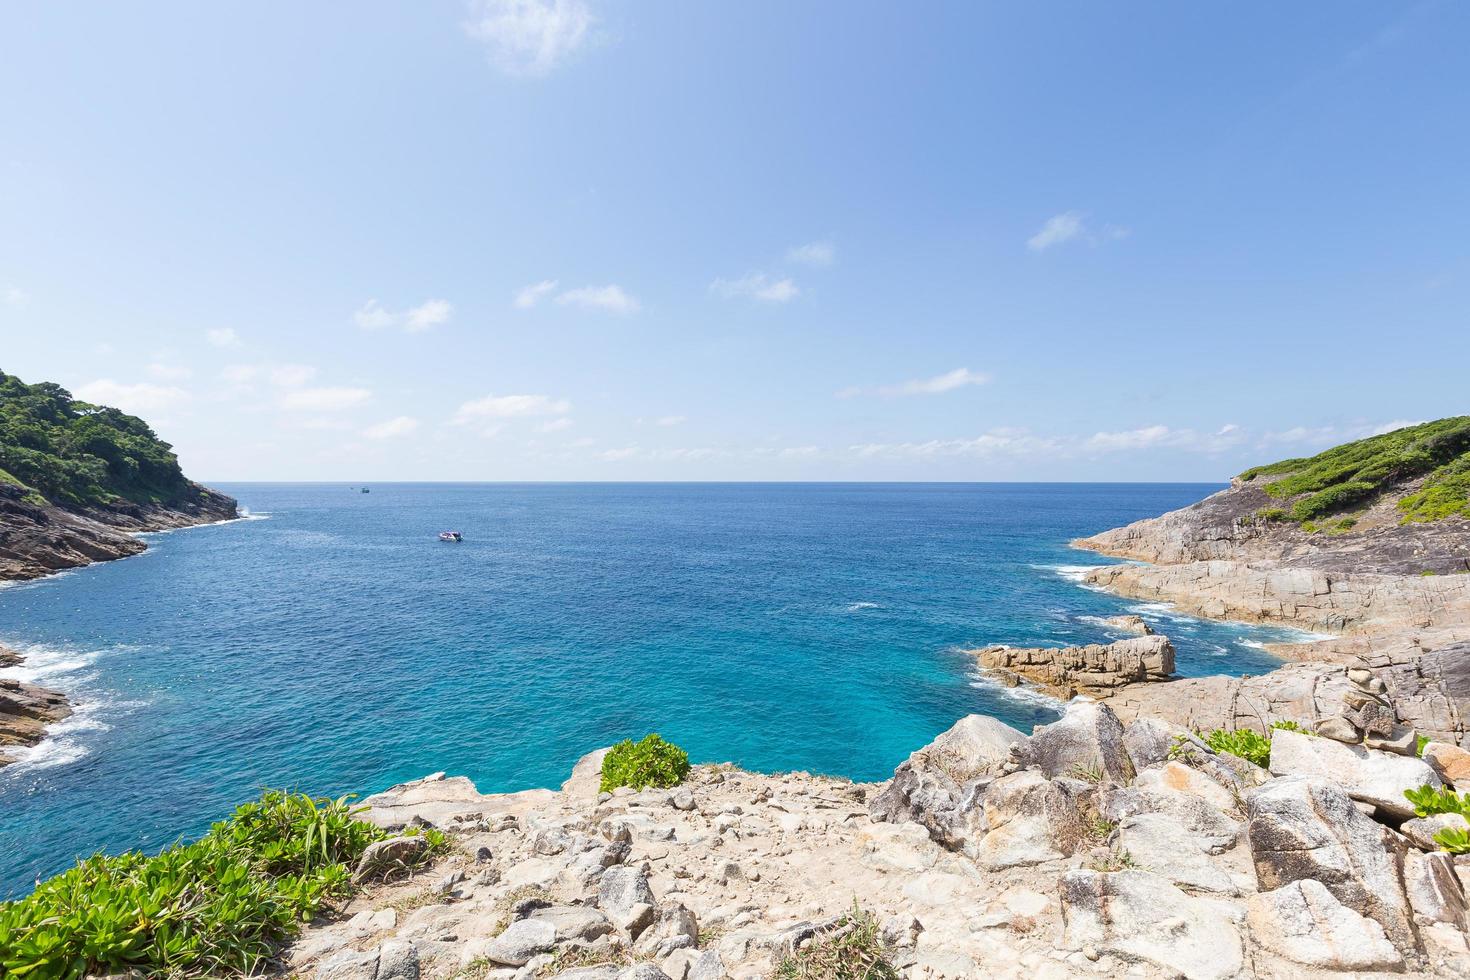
(1305, 923)
(1160, 844)
(1085, 743)
(396, 855)
(930, 787)
(1096, 669)
(1379, 778)
(1214, 829)
(520, 941)
(1140, 916)
(1434, 890)
(1303, 828)
(1449, 762)
(1029, 819)
(624, 897)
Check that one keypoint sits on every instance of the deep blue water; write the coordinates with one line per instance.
(335, 645)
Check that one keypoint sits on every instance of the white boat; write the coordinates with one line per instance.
(450, 536)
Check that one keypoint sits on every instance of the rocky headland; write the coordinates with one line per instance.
(78, 484)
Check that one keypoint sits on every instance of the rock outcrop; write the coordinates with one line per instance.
(25, 709)
(1096, 670)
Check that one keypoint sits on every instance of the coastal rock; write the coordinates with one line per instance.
(1086, 743)
(1421, 830)
(624, 897)
(1305, 923)
(1379, 778)
(1137, 915)
(1301, 692)
(1159, 844)
(520, 941)
(1302, 828)
(1434, 890)
(1128, 623)
(395, 855)
(929, 787)
(1096, 669)
(1450, 762)
(25, 709)
(1029, 819)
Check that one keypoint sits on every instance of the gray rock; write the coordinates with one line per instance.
(929, 788)
(1421, 830)
(643, 971)
(1159, 844)
(521, 940)
(1338, 729)
(1435, 892)
(349, 964)
(1305, 923)
(1148, 741)
(574, 922)
(1086, 742)
(398, 959)
(682, 799)
(1137, 915)
(708, 966)
(589, 973)
(1450, 762)
(396, 855)
(1215, 830)
(1028, 819)
(675, 928)
(1379, 778)
(625, 898)
(1402, 740)
(1302, 828)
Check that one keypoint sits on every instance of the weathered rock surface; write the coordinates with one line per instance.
(1375, 777)
(25, 709)
(1095, 670)
(1305, 923)
(1086, 743)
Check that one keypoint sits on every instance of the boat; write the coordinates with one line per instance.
(366, 490)
(450, 536)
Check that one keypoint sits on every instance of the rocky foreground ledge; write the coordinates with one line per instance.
(1087, 848)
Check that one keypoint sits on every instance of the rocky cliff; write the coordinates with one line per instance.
(1089, 847)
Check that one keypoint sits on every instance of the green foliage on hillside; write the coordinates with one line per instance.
(220, 906)
(1356, 473)
(68, 452)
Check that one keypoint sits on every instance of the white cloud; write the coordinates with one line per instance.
(757, 285)
(1143, 438)
(1162, 436)
(1058, 229)
(818, 255)
(510, 407)
(940, 383)
(12, 295)
(329, 399)
(530, 295)
(169, 372)
(240, 374)
(223, 337)
(669, 420)
(400, 426)
(610, 298)
(997, 442)
(555, 425)
(529, 37)
(292, 375)
(430, 313)
(1387, 427)
(136, 399)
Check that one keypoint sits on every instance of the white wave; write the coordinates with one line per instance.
(1251, 644)
(860, 606)
(1072, 573)
(63, 743)
(192, 527)
(1026, 695)
(49, 664)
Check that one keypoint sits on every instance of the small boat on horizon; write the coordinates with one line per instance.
(454, 536)
(366, 490)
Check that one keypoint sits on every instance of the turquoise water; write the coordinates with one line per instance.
(334, 644)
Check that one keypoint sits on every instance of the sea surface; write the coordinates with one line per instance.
(332, 643)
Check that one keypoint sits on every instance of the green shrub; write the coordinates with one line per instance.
(1249, 745)
(1454, 839)
(1429, 800)
(854, 951)
(221, 905)
(1420, 741)
(651, 762)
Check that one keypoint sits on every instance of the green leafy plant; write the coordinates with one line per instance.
(649, 762)
(1420, 743)
(1456, 840)
(1250, 745)
(220, 905)
(1429, 800)
(852, 951)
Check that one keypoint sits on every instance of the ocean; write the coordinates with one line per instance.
(332, 643)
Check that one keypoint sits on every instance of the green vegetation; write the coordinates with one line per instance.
(68, 452)
(1429, 801)
(1249, 745)
(651, 762)
(1420, 741)
(853, 951)
(1356, 473)
(219, 906)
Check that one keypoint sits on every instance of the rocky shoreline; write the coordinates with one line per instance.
(40, 539)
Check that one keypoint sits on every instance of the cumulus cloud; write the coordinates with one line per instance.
(1072, 226)
(529, 37)
(996, 442)
(1156, 436)
(818, 255)
(529, 296)
(937, 385)
(757, 285)
(609, 299)
(1386, 427)
(224, 338)
(430, 313)
(326, 399)
(392, 428)
(136, 399)
(510, 407)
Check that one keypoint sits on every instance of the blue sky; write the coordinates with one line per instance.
(586, 239)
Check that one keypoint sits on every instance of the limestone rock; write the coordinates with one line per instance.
(1305, 923)
(1302, 828)
(1137, 915)
(1029, 819)
(520, 941)
(1435, 892)
(1086, 742)
(1379, 778)
(1095, 669)
(1129, 623)
(1338, 729)
(929, 787)
(1450, 762)
(1215, 830)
